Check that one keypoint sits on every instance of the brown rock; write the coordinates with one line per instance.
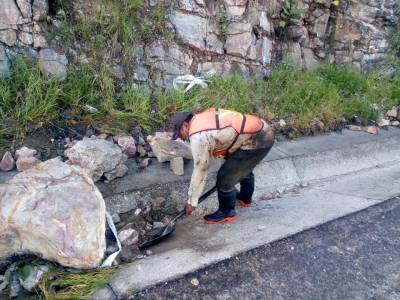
(7, 163)
(142, 152)
(25, 163)
(371, 129)
(102, 136)
(177, 166)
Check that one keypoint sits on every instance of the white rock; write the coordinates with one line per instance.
(165, 149)
(53, 210)
(96, 155)
(177, 166)
(53, 63)
(25, 152)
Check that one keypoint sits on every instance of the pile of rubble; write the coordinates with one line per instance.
(105, 156)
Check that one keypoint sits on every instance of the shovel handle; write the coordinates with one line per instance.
(201, 199)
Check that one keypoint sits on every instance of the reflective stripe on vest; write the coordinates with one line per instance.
(212, 119)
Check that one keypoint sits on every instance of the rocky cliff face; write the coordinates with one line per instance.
(220, 36)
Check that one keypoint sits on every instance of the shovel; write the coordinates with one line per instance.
(166, 231)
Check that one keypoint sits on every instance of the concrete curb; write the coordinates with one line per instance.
(342, 171)
(288, 164)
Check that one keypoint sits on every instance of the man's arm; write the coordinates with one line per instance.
(201, 162)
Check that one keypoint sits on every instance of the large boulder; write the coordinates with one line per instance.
(98, 156)
(53, 210)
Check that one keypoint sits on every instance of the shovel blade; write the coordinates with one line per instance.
(169, 229)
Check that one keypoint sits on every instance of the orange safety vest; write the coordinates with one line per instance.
(212, 119)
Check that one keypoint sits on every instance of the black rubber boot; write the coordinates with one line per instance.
(226, 211)
(246, 190)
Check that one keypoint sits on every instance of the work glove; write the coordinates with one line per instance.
(189, 209)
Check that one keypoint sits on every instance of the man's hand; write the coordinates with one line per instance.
(189, 208)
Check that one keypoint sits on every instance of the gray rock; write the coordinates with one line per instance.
(9, 15)
(40, 8)
(119, 171)
(97, 156)
(214, 44)
(223, 67)
(264, 22)
(119, 72)
(170, 59)
(235, 8)
(191, 29)
(265, 51)
(141, 73)
(53, 63)
(25, 37)
(25, 7)
(34, 276)
(295, 32)
(239, 39)
(320, 25)
(4, 67)
(8, 37)
(177, 166)
(65, 208)
(7, 162)
(309, 60)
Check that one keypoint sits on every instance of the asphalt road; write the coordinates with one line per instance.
(355, 257)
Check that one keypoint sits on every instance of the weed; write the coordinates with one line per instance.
(223, 23)
(290, 14)
(58, 284)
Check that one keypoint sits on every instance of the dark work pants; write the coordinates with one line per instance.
(239, 167)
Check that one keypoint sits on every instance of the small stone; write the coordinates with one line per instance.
(144, 163)
(354, 127)
(303, 185)
(371, 129)
(141, 141)
(116, 219)
(128, 235)
(25, 152)
(127, 144)
(261, 227)
(177, 166)
(142, 152)
(149, 252)
(158, 202)
(166, 220)
(195, 281)
(158, 224)
(392, 113)
(395, 123)
(137, 211)
(102, 136)
(266, 196)
(383, 122)
(7, 163)
(282, 123)
(25, 163)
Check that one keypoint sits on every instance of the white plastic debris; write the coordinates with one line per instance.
(189, 81)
